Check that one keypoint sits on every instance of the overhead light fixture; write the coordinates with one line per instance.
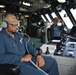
(27, 4)
(61, 1)
(47, 6)
(23, 9)
(2, 6)
(26, 15)
(3, 11)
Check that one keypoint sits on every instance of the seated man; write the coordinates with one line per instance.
(14, 48)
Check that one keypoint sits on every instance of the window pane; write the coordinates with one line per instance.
(73, 11)
(47, 16)
(53, 15)
(66, 19)
(43, 18)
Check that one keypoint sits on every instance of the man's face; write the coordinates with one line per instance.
(55, 22)
(11, 28)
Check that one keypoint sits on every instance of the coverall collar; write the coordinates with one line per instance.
(5, 32)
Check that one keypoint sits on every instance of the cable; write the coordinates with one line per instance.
(38, 67)
(31, 60)
(27, 43)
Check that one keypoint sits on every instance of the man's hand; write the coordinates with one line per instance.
(62, 23)
(40, 61)
(26, 58)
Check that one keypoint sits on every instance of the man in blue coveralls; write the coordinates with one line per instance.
(13, 51)
(56, 30)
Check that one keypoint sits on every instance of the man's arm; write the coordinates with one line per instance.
(39, 59)
(7, 57)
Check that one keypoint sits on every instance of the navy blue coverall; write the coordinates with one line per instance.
(56, 30)
(12, 50)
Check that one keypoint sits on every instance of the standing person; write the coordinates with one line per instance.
(55, 29)
(13, 50)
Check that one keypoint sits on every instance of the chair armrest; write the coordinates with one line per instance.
(9, 69)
